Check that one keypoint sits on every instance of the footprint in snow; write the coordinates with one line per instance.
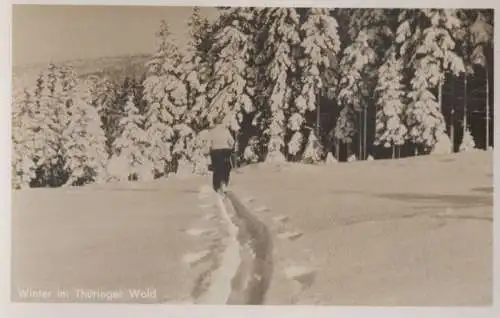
(262, 209)
(199, 232)
(291, 236)
(193, 259)
(303, 275)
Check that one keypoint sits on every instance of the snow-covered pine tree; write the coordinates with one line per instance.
(367, 32)
(330, 159)
(199, 156)
(354, 65)
(352, 158)
(251, 153)
(109, 99)
(23, 135)
(50, 119)
(195, 72)
(475, 36)
(429, 50)
(232, 82)
(198, 29)
(468, 143)
(84, 140)
(423, 118)
(279, 40)
(442, 32)
(313, 152)
(390, 122)
(319, 42)
(195, 68)
(165, 96)
(130, 146)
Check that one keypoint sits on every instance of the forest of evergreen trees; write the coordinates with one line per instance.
(297, 84)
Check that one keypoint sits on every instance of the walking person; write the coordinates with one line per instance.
(221, 148)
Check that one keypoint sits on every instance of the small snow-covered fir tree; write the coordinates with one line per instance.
(200, 152)
(345, 127)
(390, 126)
(468, 143)
(330, 159)
(313, 151)
(185, 168)
(84, 141)
(250, 153)
(443, 145)
(295, 143)
(129, 147)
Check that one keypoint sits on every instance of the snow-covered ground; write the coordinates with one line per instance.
(410, 232)
(414, 231)
(115, 238)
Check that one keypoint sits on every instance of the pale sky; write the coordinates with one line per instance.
(43, 33)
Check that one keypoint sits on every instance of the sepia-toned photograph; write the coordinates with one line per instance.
(252, 155)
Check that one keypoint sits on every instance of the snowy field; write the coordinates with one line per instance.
(110, 239)
(409, 232)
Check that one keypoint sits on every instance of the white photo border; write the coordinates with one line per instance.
(47, 310)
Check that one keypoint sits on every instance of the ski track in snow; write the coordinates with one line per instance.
(220, 288)
(237, 257)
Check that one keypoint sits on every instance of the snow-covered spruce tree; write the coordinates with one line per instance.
(429, 50)
(280, 40)
(108, 98)
(330, 159)
(475, 35)
(130, 157)
(231, 86)
(251, 153)
(366, 35)
(354, 65)
(50, 118)
(319, 42)
(165, 96)
(195, 69)
(468, 143)
(23, 136)
(313, 152)
(423, 118)
(199, 155)
(84, 141)
(390, 122)
(194, 74)
(198, 30)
